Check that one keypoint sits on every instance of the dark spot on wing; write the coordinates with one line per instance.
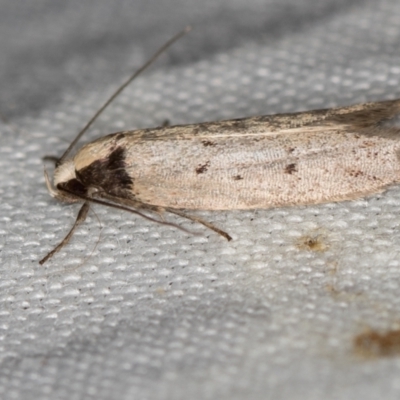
(202, 168)
(355, 173)
(238, 177)
(290, 169)
(207, 143)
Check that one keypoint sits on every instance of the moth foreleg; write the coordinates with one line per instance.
(83, 212)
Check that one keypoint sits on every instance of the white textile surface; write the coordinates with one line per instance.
(135, 310)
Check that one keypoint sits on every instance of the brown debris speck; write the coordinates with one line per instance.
(375, 344)
(312, 243)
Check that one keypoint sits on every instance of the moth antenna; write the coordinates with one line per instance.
(161, 50)
(201, 221)
(83, 212)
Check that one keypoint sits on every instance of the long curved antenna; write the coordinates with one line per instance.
(120, 89)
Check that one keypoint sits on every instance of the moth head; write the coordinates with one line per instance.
(66, 183)
(64, 173)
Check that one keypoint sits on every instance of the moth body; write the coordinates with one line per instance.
(251, 163)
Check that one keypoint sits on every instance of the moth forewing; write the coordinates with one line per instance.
(259, 162)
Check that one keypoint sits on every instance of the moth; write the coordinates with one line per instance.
(248, 163)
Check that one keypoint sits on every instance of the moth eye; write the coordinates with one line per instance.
(73, 186)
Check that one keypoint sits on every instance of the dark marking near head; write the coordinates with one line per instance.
(207, 143)
(291, 149)
(238, 177)
(202, 168)
(108, 174)
(290, 168)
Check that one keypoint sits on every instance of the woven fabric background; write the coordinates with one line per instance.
(135, 310)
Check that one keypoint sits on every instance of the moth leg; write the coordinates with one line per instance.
(165, 123)
(160, 211)
(200, 221)
(83, 212)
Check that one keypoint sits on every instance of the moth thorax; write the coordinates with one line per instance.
(64, 172)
